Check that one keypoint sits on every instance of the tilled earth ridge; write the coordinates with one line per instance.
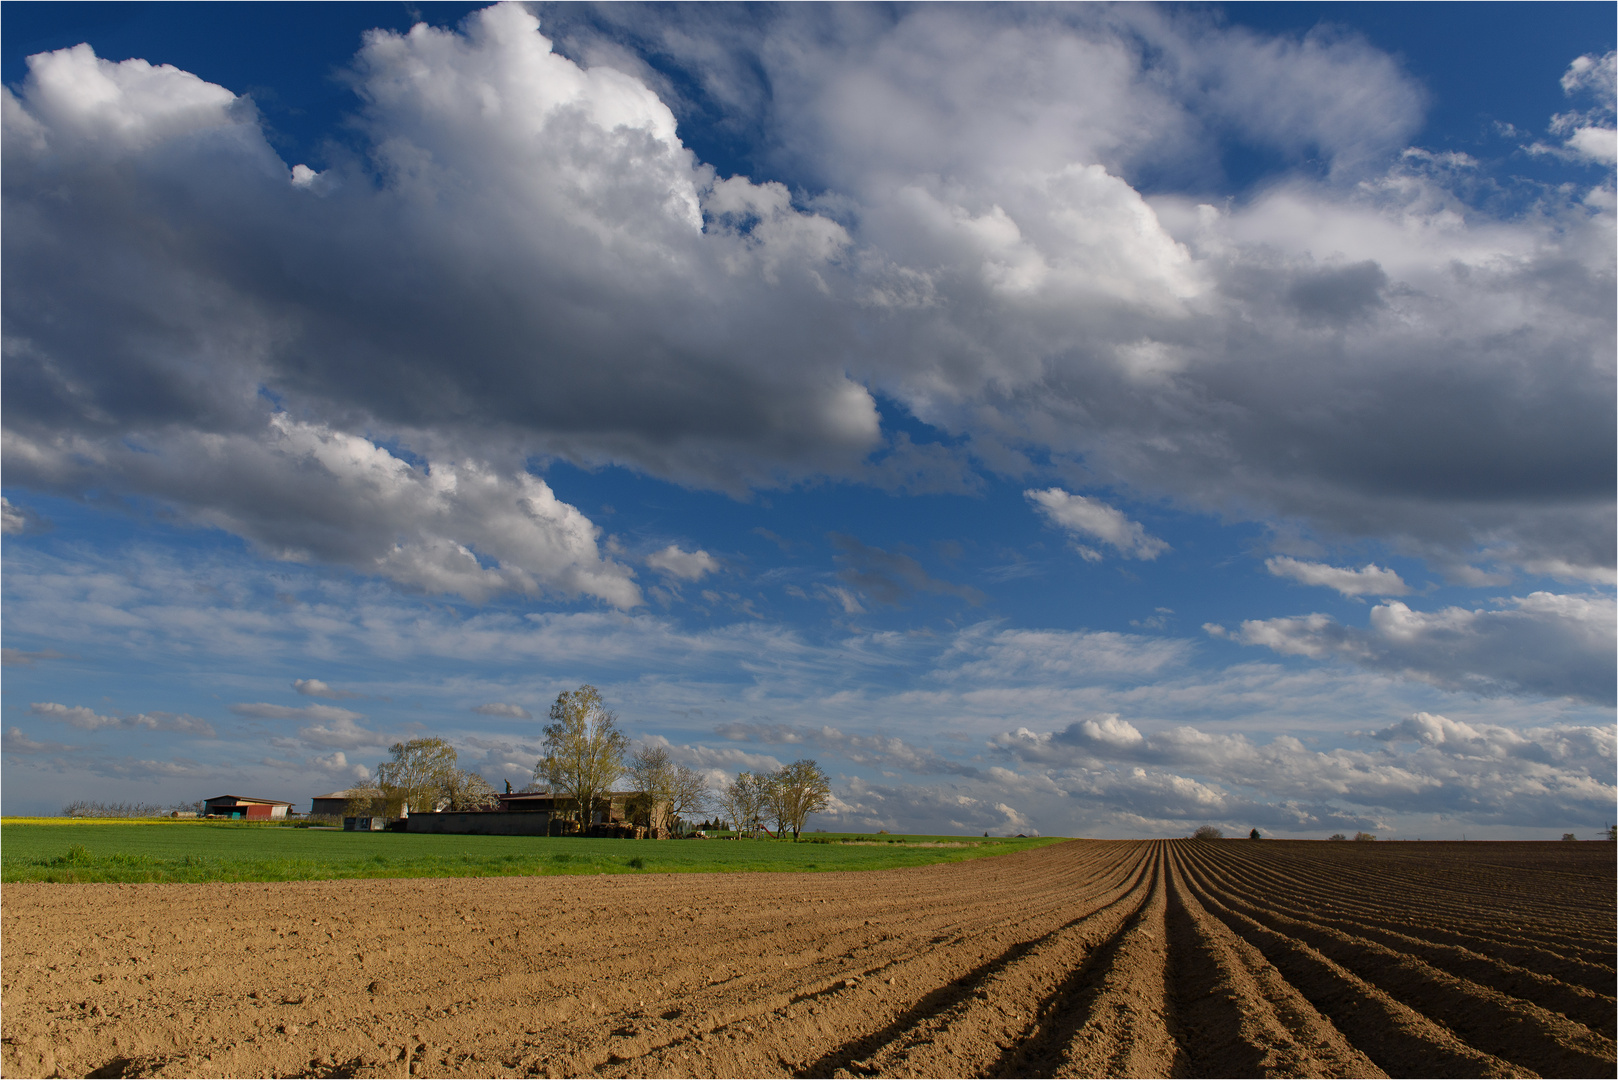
(1090, 958)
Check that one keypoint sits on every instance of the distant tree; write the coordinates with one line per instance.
(1364, 836)
(1336, 836)
(1207, 832)
(651, 774)
(1253, 835)
(364, 802)
(1612, 832)
(584, 750)
(1569, 836)
(416, 776)
(688, 794)
(777, 800)
(466, 789)
(804, 789)
(742, 800)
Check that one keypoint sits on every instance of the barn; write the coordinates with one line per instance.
(240, 806)
(335, 803)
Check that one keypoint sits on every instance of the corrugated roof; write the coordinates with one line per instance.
(249, 799)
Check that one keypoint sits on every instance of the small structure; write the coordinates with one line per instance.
(335, 803)
(240, 806)
(364, 824)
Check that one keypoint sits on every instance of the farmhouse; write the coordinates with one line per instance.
(240, 806)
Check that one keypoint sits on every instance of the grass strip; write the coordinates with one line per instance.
(196, 852)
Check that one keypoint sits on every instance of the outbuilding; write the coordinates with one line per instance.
(240, 806)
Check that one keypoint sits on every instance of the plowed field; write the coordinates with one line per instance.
(1091, 958)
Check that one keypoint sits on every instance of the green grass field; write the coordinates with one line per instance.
(82, 851)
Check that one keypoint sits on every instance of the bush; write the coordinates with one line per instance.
(1569, 836)
(1336, 836)
(1207, 832)
(1364, 836)
(117, 810)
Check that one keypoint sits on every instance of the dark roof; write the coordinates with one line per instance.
(247, 799)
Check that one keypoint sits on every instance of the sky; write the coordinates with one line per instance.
(1077, 421)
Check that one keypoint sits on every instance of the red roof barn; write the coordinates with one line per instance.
(239, 806)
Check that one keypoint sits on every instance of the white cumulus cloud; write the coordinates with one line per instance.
(1370, 580)
(685, 565)
(1095, 520)
(1545, 643)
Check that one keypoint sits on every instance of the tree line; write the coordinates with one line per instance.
(585, 756)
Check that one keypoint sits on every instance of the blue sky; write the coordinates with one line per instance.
(1091, 421)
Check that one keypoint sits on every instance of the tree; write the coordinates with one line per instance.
(688, 794)
(1336, 836)
(364, 802)
(802, 788)
(1253, 835)
(416, 777)
(584, 750)
(1207, 832)
(468, 790)
(777, 800)
(652, 774)
(1364, 836)
(743, 801)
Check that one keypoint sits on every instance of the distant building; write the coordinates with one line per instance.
(335, 803)
(238, 806)
(611, 807)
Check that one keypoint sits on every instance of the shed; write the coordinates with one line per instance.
(241, 806)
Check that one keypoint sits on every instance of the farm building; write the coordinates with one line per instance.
(533, 813)
(335, 803)
(239, 806)
(611, 808)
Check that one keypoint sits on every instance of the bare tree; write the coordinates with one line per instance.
(416, 776)
(1207, 832)
(653, 776)
(468, 790)
(804, 789)
(688, 794)
(584, 750)
(1364, 836)
(778, 800)
(743, 801)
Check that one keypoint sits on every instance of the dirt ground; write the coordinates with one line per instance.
(1091, 958)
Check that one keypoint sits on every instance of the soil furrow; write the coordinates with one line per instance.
(1112, 1018)
(1237, 1015)
(1400, 1040)
(1496, 1023)
(1094, 957)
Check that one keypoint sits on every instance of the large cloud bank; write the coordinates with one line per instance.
(523, 260)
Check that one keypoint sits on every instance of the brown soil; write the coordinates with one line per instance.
(1091, 958)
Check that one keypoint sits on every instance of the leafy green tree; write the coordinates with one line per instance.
(584, 750)
(801, 789)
